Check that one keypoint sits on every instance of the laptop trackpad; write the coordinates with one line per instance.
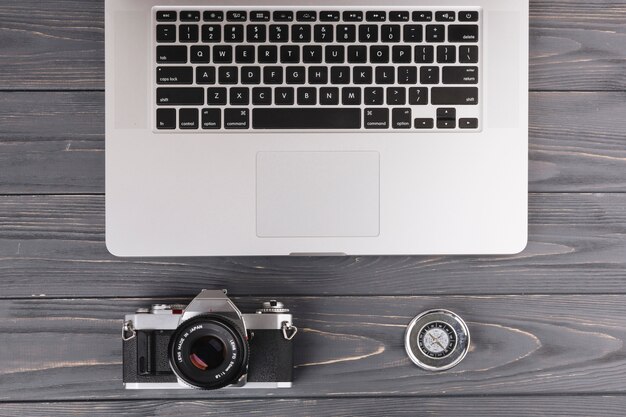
(317, 194)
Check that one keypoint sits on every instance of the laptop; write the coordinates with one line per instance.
(334, 127)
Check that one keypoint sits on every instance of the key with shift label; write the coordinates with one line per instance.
(454, 95)
(306, 118)
(182, 96)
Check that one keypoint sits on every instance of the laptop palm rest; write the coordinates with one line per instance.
(318, 194)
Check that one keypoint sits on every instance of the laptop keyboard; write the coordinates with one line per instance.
(317, 70)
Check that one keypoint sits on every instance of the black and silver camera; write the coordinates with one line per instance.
(208, 344)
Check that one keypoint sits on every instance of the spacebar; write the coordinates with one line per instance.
(306, 118)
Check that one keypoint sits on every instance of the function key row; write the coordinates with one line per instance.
(312, 16)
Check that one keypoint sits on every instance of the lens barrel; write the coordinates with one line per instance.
(209, 352)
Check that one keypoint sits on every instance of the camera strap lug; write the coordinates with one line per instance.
(289, 330)
(128, 331)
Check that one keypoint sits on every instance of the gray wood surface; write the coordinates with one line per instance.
(548, 325)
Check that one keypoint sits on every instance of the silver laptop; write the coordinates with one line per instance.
(327, 127)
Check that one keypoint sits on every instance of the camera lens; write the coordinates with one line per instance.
(208, 352)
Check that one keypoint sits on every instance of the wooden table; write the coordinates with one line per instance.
(548, 325)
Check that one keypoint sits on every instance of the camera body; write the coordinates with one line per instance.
(208, 344)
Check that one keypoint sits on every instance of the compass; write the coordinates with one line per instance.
(437, 340)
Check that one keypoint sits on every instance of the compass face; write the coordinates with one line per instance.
(437, 339)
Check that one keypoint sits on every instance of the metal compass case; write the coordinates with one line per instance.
(275, 189)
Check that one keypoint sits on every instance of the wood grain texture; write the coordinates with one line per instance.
(54, 245)
(347, 346)
(574, 44)
(53, 142)
(544, 406)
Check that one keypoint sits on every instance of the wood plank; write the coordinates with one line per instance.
(54, 142)
(70, 349)
(575, 45)
(526, 406)
(54, 245)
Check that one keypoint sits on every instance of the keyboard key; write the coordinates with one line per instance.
(180, 96)
(268, 54)
(236, 16)
(284, 96)
(418, 96)
(429, 75)
(205, 75)
(306, 118)
(376, 118)
(211, 33)
(357, 54)
(351, 96)
(260, 16)
(468, 54)
(435, 33)
(323, 33)
(407, 75)
(335, 54)
(445, 16)
(223, 54)
(200, 54)
(256, 33)
(166, 16)
(454, 95)
(301, 33)
(398, 16)
(412, 33)
(362, 75)
(463, 33)
(166, 119)
(401, 54)
(295, 75)
(306, 16)
(307, 96)
(379, 54)
(318, 75)
(244, 54)
(340, 75)
(228, 75)
(273, 75)
(401, 118)
(446, 113)
(396, 96)
(375, 16)
(188, 118)
(213, 16)
(374, 96)
(468, 123)
(352, 16)
(446, 54)
(236, 118)
(233, 33)
(468, 16)
(346, 33)
(329, 16)
(390, 33)
(283, 16)
(239, 96)
(422, 16)
(261, 96)
(174, 75)
(312, 54)
(459, 75)
(250, 75)
(189, 16)
(279, 33)
(211, 118)
(216, 96)
(188, 33)
(422, 123)
(290, 54)
(368, 33)
(329, 96)
(446, 123)
(424, 54)
(385, 75)
(166, 33)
